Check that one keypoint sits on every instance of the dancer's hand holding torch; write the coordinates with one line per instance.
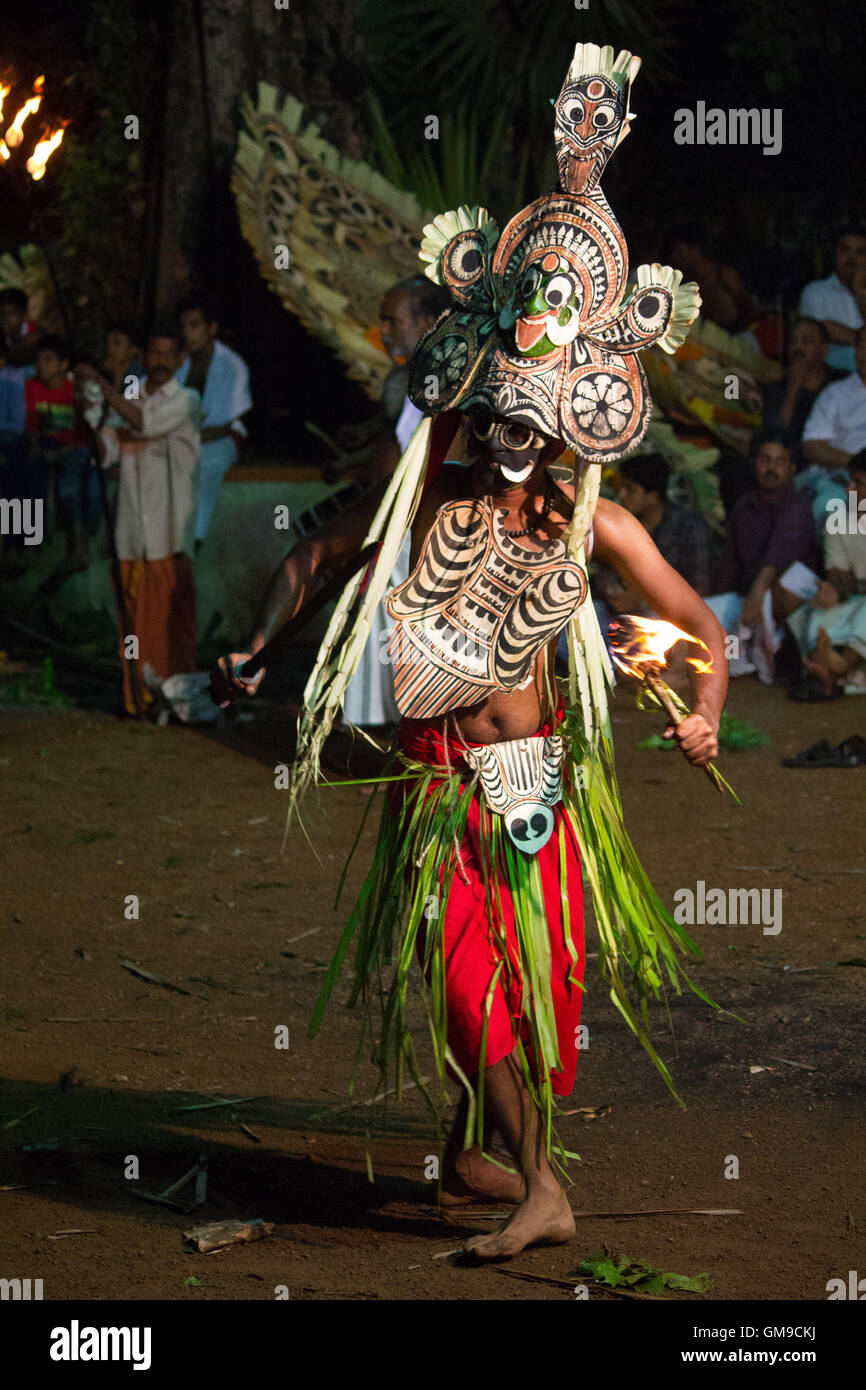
(639, 647)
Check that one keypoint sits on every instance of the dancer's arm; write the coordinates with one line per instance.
(621, 542)
(294, 581)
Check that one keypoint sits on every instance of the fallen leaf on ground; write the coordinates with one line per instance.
(621, 1270)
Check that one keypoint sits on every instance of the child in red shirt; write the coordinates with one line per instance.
(58, 441)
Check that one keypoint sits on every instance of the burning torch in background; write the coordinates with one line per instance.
(11, 154)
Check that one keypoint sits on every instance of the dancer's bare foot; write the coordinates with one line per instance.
(470, 1177)
(544, 1218)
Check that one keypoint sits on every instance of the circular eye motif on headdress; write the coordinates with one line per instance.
(463, 262)
(573, 111)
(558, 291)
(650, 311)
(604, 115)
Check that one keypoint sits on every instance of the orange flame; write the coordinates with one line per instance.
(4, 151)
(42, 153)
(4, 92)
(14, 135)
(639, 643)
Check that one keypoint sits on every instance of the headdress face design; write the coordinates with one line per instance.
(592, 115)
(541, 331)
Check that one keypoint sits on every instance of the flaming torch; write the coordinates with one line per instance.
(639, 646)
(42, 152)
(11, 140)
(15, 133)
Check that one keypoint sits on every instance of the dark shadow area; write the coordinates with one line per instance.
(96, 1130)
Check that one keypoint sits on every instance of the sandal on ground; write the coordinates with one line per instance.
(821, 755)
(853, 747)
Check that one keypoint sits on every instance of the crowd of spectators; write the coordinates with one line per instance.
(163, 415)
(788, 584)
(165, 411)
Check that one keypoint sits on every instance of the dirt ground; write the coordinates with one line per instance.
(96, 810)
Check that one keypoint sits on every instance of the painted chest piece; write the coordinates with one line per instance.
(522, 782)
(476, 610)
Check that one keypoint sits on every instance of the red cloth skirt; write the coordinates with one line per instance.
(471, 950)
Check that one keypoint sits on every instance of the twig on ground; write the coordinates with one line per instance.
(215, 1104)
(150, 978)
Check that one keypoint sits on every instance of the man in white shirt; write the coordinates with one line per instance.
(836, 427)
(408, 311)
(155, 439)
(839, 302)
(834, 432)
(831, 630)
(222, 379)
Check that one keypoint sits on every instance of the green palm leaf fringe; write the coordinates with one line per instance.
(639, 941)
(402, 904)
(343, 644)
(401, 907)
(399, 915)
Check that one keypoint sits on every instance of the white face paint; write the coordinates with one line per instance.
(516, 475)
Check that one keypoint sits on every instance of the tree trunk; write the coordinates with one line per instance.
(215, 52)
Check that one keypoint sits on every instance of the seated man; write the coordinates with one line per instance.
(786, 403)
(681, 535)
(769, 529)
(835, 429)
(838, 302)
(831, 631)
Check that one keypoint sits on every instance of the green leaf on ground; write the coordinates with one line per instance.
(735, 735)
(621, 1271)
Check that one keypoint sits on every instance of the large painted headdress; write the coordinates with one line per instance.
(541, 331)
